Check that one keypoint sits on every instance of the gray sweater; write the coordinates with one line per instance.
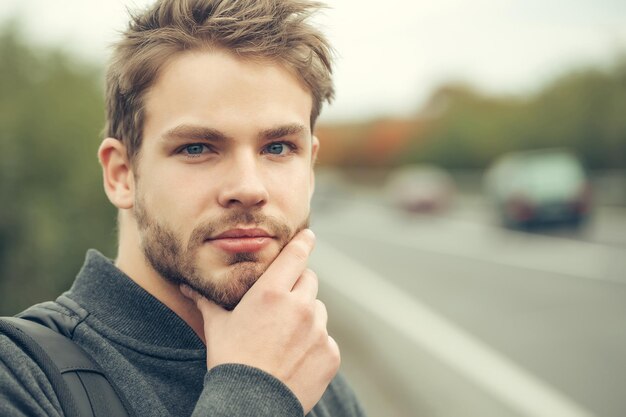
(155, 358)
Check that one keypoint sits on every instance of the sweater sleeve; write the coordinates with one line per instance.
(243, 391)
(339, 400)
(24, 389)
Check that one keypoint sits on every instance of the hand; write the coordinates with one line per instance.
(279, 326)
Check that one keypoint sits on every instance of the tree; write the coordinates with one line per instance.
(53, 206)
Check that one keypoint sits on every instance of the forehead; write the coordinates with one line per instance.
(217, 89)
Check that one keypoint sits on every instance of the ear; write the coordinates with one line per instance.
(119, 182)
(315, 147)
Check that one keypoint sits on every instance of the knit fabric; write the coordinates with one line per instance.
(155, 359)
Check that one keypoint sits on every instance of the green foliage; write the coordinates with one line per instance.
(52, 204)
(583, 111)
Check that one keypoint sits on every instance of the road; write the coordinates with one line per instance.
(452, 315)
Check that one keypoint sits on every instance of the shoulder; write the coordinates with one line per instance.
(24, 388)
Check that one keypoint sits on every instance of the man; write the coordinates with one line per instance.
(209, 308)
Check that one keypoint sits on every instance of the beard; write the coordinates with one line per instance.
(177, 262)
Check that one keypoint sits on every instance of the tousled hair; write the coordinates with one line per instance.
(274, 30)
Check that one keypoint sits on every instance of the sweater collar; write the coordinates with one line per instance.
(117, 302)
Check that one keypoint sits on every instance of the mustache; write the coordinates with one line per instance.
(235, 219)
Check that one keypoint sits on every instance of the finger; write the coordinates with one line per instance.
(321, 312)
(207, 308)
(335, 348)
(307, 285)
(290, 262)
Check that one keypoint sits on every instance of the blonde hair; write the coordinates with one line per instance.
(276, 30)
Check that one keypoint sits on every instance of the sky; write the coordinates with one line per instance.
(392, 54)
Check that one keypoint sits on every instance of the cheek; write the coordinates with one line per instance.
(292, 192)
(175, 197)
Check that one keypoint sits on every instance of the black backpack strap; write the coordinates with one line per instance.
(62, 315)
(41, 358)
(80, 384)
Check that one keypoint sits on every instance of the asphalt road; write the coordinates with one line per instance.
(452, 315)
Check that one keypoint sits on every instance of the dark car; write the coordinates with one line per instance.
(541, 187)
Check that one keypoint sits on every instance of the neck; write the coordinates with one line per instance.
(131, 261)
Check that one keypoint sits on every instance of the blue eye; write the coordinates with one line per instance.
(195, 149)
(275, 148)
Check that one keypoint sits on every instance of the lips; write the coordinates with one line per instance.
(243, 233)
(241, 240)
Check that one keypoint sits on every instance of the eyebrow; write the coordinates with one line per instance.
(213, 135)
(195, 132)
(282, 131)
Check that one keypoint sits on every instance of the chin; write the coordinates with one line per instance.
(230, 285)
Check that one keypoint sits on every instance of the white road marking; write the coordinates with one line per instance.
(487, 368)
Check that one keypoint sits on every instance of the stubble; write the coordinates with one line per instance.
(177, 262)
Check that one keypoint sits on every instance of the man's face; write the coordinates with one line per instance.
(224, 176)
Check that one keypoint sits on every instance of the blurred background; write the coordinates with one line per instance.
(470, 204)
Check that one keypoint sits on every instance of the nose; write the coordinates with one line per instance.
(242, 184)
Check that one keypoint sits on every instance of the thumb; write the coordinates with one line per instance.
(208, 309)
